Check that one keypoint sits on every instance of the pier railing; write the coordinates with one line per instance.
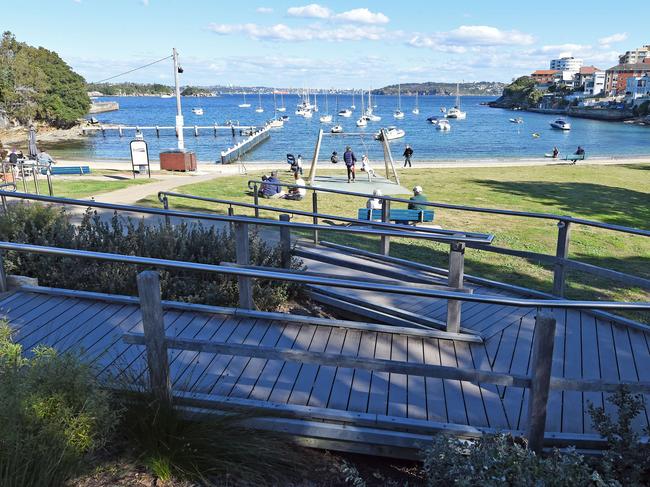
(158, 344)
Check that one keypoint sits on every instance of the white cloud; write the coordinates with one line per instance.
(605, 42)
(145, 3)
(468, 36)
(282, 32)
(76, 1)
(313, 11)
(364, 16)
(264, 10)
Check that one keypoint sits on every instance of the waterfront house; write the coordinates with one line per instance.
(638, 86)
(544, 77)
(617, 76)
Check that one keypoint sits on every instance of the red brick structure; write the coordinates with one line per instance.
(617, 76)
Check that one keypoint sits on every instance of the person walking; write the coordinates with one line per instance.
(408, 153)
(350, 159)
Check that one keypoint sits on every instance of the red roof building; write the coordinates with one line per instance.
(617, 76)
(544, 76)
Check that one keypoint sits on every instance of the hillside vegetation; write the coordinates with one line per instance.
(485, 88)
(129, 89)
(521, 93)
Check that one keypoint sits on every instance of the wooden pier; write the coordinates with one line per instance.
(240, 149)
(159, 129)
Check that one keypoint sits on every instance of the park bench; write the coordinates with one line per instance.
(67, 170)
(574, 157)
(397, 215)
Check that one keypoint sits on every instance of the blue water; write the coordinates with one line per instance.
(485, 134)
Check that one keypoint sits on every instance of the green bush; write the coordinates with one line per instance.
(43, 225)
(52, 414)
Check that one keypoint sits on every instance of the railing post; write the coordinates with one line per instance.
(165, 202)
(285, 242)
(455, 279)
(154, 335)
(562, 252)
(543, 343)
(314, 209)
(3, 275)
(384, 243)
(256, 200)
(243, 253)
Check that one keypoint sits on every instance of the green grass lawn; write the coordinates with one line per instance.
(615, 194)
(81, 186)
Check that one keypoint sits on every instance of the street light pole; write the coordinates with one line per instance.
(179, 113)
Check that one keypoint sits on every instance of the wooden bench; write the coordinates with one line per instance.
(67, 170)
(574, 157)
(397, 216)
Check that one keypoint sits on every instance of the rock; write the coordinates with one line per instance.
(14, 281)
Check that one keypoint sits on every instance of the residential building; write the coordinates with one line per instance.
(617, 76)
(570, 64)
(584, 73)
(565, 79)
(638, 87)
(544, 76)
(635, 56)
(594, 84)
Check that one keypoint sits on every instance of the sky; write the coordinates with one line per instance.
(330, 44)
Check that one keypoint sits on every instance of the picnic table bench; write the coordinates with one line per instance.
(397, 215)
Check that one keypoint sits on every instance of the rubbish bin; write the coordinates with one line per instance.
(178, 160)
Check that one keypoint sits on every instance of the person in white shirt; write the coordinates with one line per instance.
(374, 203)
(365, 166)
(296, 193)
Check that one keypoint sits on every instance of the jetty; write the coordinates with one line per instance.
(416, 350)
(241, 148)
(103, 106)
(159, 130)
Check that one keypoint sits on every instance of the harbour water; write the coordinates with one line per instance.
(485, 134)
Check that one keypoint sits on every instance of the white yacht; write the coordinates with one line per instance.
(416, 110)
(276, 123)
(327, 118)
(443, 125)
(392, 133)
(166, 96)
(197, 111)
(561, 124)
(337, 129)
(259, 109)
(282, 108)
(398, 114)
(244, 105)
(456, 112)
(362, 122)
(369, 111)
(517, 120)
(347, 113)
(353, 106)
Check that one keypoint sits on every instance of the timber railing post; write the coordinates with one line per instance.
(455, 280)
(154, 335)
(285, 242)
(314, 209)
(243, 253)
(543, 343)
(256, 200)
(165, 202)
(384, 243)
(562, 252)
(3, 275)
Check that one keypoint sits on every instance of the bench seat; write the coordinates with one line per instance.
(574, 157)
(67, 170)
(397, 215)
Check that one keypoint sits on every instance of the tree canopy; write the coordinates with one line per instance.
(37, 85)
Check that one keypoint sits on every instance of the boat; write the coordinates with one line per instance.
(259, 109)
(399, 114)
(327, 118)
(561, 124)
(337, 129)
(443, 125)
(517, 120)
(353, 106)
(276, 123)
(443, 110)
(282, 108)
(347, 113)
(167, 96)
(362, 122)
(197, 111)
(308, 114)
(456, 112)
(369, 112)
(392, 133)
(244, 105)
(284, 118)
(416, 110)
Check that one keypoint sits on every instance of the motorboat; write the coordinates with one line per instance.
(276, 123)
(308, 114)
(392, 133)
(337, 129)
(325, 119)
(433, 120)
(197, 111)
(284, 118)
(345, 113)
(244, 105)
(166, 96)
(362, 122)
(443, 125)
(374, 118)
(517, 120)
(398, 114)
(561, 124)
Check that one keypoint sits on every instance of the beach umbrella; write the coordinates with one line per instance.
(33, 150)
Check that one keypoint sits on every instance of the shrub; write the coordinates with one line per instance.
(52, 413)
(497, 460)
(43, 225)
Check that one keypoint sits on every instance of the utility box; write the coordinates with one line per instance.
(178, 160)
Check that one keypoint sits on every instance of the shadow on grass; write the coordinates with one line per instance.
(603, 203)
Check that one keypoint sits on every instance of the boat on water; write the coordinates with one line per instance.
(517, 120)
(259, 108)
(416, 110)
(167, 96)
(284, 118)
(353, 106)
(443, 125)
(244, 105)
(398, 113)
(197, 111)
(337, 129)
(369, 113)
(347, 113)
(443, 110)
(561, 124)
(362, 122)
(282, 108)
(327, 118)
(456, 112)
(276, 123)
(392, 133)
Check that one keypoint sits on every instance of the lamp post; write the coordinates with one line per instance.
(179, 113)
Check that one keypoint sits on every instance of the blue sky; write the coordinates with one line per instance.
(327, 44)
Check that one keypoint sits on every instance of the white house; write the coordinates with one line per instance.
(638, 86)
(595, 84)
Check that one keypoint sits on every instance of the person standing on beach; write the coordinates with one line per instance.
(408, 153)
(350, 159)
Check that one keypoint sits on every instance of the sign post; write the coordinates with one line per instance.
(140, 157)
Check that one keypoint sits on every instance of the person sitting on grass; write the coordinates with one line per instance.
(296, 193)
(417, 198)
(272, 188)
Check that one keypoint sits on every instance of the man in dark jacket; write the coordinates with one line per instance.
(349, 159)
(408, 152)
(13, 157)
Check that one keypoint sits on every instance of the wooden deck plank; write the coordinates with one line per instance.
(267, 379)
(554, 404)
(472, 393)
(504, 322)
(641, 352)
(453, 388)
(31, 310)
(397, 383)
(111, 350)
(322, 387)
(572, 409)
(307, 375)
(590, 367)
(20, 304)
(435, 390)
(343, 379)
(417, 399)
(287, 378)
(608, 362)
(378, 399)
(513, 397)
(496, 415)
(360, 391)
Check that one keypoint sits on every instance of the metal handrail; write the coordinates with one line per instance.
(260, 273)
(163, 194)
(477, 209)
(484, 239)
